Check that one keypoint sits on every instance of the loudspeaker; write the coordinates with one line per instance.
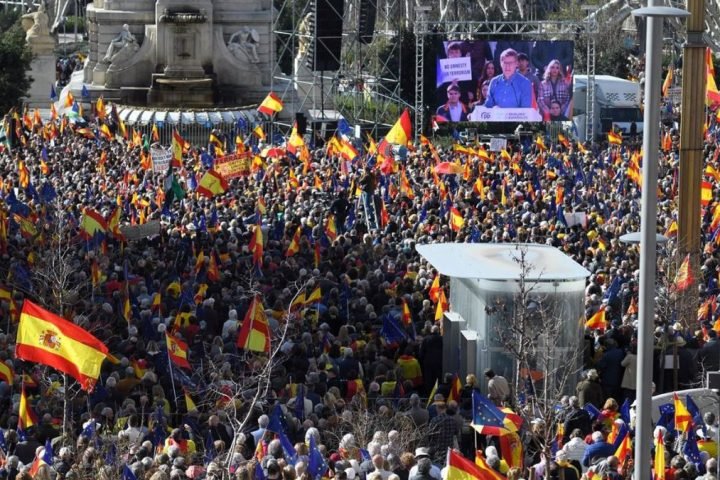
(325, 47)
(301, 123)
(605, 124)
(366, 22)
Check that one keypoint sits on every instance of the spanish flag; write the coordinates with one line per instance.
(706, 193)
(683, 277)
(177, 351)
(330, 228)
(624, 449)
(26, 417)
(6, 373)
(177, 149)
(401, 132)
(597, 321)
(46, 338)
(314, 297)
(456, 219)
(614, 138)
(442, 306)
(92, 223)
(486, 472)
(69, 100)
(189, 403)
(155, 133)
(211, 184)
(460, 468)
(271, 105)
(294, 246)
(258, 131)
(435, 290)
(254, 334)
(406, 315)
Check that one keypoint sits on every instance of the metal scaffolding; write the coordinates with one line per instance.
(525, 30)
(366, 86)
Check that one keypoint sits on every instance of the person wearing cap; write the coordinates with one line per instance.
(424, 469)
(453, 110)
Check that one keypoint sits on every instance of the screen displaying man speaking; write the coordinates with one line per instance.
(504, 81)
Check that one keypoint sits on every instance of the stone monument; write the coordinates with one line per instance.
(179, 53)
(42, 68)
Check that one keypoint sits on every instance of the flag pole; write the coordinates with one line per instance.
(172, 376)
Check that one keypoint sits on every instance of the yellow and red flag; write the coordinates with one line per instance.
(330, 228)
(668, 82)
(683, 278)
(254, 335)
(597, 321)
(401, 132)
(460, 468)
(26, 416)
(442, 306)
(406, 315)
(6, 373)
(294, 246)
(49, 339)
(706, 193)
(456, 219)
(211, 184)
(434, 292)
(177, 149)
(615, 138)
(92, 223)
(177, 351)
(271, 105)
(683, 419)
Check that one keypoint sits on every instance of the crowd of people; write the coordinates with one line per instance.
(335, 396)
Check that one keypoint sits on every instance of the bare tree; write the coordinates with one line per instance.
(547, 357)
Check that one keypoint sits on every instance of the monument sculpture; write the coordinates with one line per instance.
(42, 68)
(124, 39)
(189, 53)
(37, 30)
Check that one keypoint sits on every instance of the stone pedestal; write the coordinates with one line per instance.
(42, 71)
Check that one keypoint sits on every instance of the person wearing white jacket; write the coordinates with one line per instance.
(575, 447)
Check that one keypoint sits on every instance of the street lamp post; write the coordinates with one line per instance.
(648, 230)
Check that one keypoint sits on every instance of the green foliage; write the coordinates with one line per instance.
(15, 57)
(70, 24)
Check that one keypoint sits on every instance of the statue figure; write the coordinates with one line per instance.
(243, 44)
(124, 39)
(37, 30)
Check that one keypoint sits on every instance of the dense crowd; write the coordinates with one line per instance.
(336, 396)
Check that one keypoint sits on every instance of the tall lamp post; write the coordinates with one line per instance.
(648, 229)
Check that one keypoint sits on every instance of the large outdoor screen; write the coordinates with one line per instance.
(504, 81)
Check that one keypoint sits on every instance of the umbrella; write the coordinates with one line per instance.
(449, 168)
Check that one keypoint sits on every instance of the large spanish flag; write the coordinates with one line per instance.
(272, 104)
(46, 338)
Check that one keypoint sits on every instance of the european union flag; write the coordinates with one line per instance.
(241, 124)
(694, 411)
(613, 290)
(48, 455)
(625, 411)
(344, 127)
(592, 410)
(316, 462)
(84, 92)
(390, 330)
(259, 473)
(690, 449)
(487, 418)
(128, 474)
(667, 416)
(210, 452)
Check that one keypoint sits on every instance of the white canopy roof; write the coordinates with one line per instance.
(500, 261)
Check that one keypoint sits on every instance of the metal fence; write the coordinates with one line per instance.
(193, 126)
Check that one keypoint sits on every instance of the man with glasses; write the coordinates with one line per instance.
(510, 89)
